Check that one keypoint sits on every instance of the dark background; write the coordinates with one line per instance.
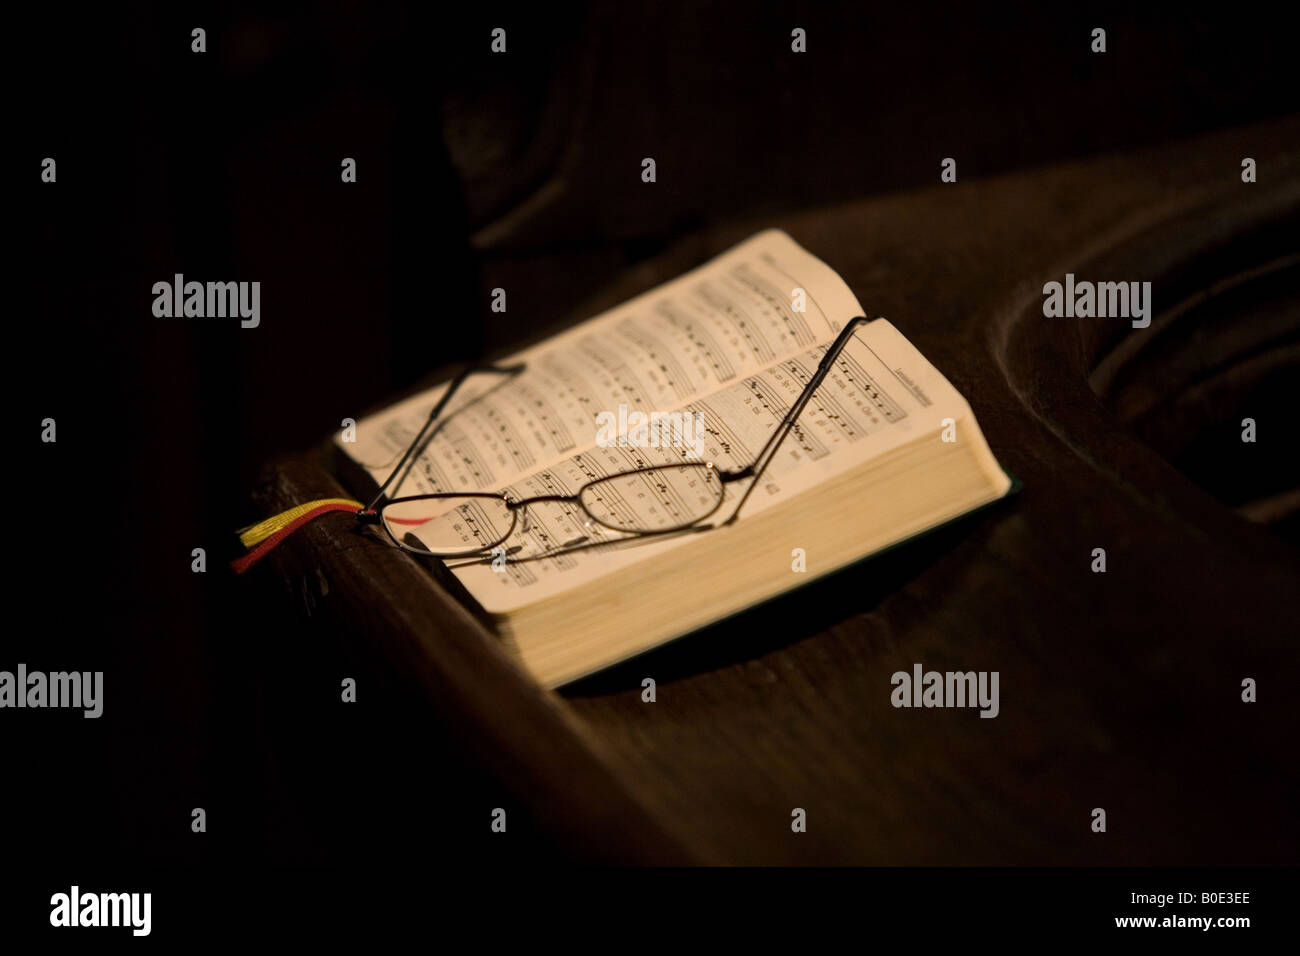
(475, 171)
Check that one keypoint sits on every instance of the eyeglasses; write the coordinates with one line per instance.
(649, 501)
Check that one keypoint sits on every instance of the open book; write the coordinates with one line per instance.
(885, 449)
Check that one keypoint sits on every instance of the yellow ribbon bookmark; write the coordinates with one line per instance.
(257, 533)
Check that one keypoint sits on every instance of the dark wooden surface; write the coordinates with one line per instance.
(1118, 690)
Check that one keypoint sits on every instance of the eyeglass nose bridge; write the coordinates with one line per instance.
(521, 509)
(522, 504)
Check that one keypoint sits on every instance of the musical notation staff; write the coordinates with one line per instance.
(620, 374)
(778, 301)
(742, 324)
(700, 340)
(471, 467)
(661, 356)
(870, 387)
(696, 340)
(508, 439)
(541, 415)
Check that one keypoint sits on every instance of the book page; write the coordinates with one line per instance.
(880, 394)
(700, 332)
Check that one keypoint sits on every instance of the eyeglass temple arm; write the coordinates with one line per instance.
(437, 411)
(773, 444)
